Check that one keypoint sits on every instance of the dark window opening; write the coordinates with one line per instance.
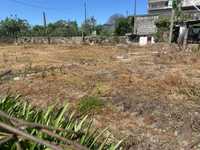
(156, 5)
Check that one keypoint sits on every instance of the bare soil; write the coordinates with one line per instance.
(151, 94)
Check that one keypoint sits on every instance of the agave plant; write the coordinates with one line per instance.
(23, 126)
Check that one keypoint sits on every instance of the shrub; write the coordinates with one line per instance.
(196, 49)
(163, 26)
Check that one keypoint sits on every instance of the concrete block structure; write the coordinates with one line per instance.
(163, 7)
(145, 24)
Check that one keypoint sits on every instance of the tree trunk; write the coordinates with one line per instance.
(171, 26)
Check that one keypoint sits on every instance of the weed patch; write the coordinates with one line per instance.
(192, 92)
(89, 104)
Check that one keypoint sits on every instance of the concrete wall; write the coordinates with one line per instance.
(145, 25)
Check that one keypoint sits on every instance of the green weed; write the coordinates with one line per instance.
(89, 104)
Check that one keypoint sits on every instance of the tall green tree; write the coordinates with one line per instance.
(122, 27)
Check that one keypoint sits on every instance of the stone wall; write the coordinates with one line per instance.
(7, 40)
(66, 40)
(72, 40)
(52, 40)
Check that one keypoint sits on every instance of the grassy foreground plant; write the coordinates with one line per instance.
(25, 127)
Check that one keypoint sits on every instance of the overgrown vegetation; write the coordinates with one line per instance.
(123, 26)
(163, 26)
(13, 27)
(53, 126)
(117, 24)
(196, 49)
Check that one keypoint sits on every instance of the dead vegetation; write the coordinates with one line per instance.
(150, 94)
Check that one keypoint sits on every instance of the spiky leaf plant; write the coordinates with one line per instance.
(23, 126)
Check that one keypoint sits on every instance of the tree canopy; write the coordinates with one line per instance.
(117, 24)
(14, 26)
(123, 26)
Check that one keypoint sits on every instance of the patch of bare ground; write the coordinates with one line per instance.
(151, 94)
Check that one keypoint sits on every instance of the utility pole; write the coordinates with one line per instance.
(85, 20)
(45, 27)
(135, 13)
(135, 8)
(44, 20)
(85, 8)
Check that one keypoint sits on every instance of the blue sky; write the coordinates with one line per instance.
(68, 9)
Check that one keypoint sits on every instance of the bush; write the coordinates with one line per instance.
(89, 104)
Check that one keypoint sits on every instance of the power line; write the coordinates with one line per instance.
(35, 5)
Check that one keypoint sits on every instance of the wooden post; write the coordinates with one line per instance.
(171, 26)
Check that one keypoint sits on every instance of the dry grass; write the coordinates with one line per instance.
(143, 86)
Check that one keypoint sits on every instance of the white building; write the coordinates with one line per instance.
(163, 7)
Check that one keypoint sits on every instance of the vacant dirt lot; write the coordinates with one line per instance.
(151, 94)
